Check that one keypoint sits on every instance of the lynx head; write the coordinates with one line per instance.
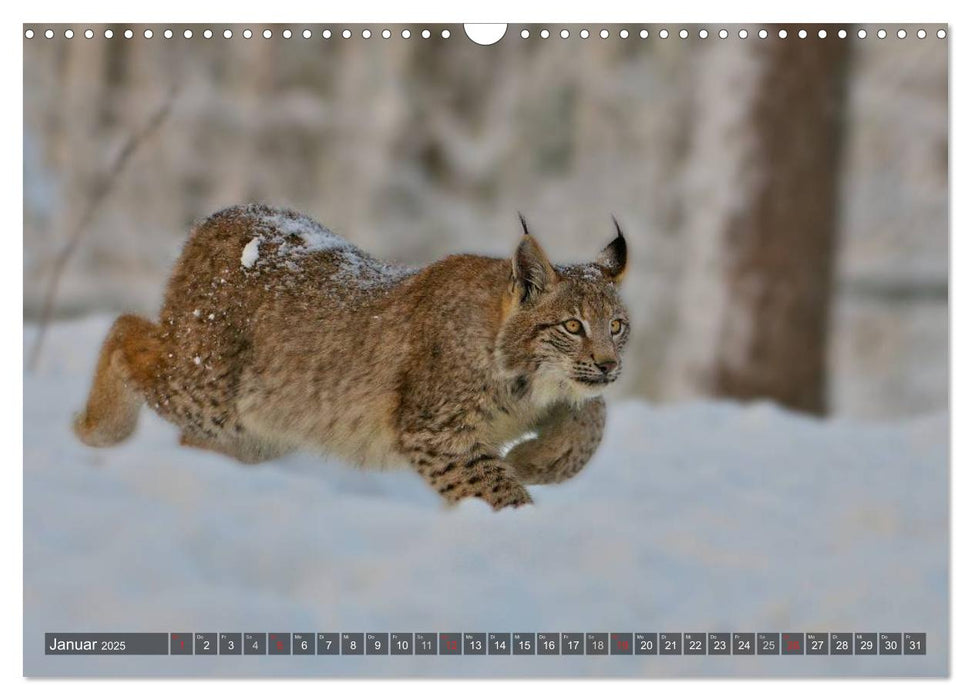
(567, 327)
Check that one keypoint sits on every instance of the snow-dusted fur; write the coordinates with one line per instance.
(278, 335)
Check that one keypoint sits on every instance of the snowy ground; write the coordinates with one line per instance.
(696, 517)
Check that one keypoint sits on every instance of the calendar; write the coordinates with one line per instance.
(488, 643)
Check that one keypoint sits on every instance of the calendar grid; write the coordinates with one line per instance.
(488, 644)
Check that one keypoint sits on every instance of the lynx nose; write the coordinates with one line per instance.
(606, 366)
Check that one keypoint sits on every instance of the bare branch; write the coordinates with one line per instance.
(94, 202)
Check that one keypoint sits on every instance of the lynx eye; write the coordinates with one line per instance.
(616, 326)
(573, 326)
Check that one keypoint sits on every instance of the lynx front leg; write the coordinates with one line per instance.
(567, 440)
(472, 475)
(441, 444)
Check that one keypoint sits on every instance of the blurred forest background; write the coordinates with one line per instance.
(785, 201)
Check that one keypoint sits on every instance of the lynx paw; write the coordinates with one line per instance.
(507, 495)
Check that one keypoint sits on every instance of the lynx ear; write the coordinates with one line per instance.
(531, 269)
(613, 258)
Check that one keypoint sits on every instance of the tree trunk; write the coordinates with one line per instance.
(761, 217)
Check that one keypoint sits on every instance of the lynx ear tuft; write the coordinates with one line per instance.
(522, 220)
(613, 258)
(531, 269)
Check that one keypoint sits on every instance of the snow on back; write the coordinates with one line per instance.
(364, 272)
(250, 254)
(294, 236)
(314, 236)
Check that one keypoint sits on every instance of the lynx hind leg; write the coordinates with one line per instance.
(566, 442)
(482, 476)
(127, 364)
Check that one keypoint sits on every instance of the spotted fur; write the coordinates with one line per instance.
(277, 335)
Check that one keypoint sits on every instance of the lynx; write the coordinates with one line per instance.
(277, 335)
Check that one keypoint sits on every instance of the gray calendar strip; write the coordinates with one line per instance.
(490, 643)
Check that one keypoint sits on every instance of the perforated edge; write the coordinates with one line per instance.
(175, 33)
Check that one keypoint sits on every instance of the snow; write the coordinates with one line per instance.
(589, 272)
(251, 253)
(292, 236)
(691, 517)
(314, 236)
